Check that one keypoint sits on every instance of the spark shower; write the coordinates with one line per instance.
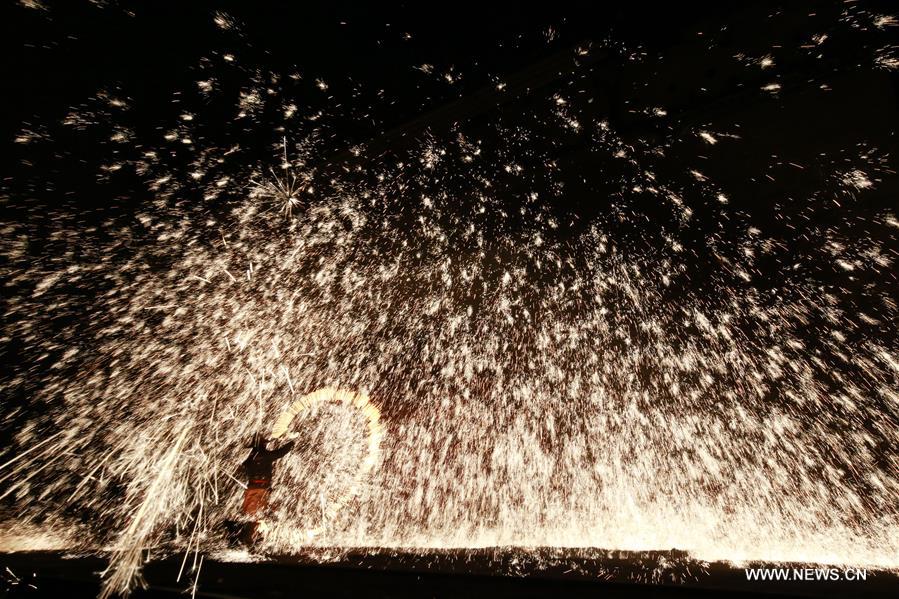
(554, 324)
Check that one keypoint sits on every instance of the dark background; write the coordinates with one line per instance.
(679, 56)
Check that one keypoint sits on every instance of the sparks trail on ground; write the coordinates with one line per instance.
(629, 355)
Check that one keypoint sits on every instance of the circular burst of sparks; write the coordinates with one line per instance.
(359, 402)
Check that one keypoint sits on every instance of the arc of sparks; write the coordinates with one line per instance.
(360, 402)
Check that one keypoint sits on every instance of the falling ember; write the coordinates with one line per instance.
(484, 308)
(708, 137)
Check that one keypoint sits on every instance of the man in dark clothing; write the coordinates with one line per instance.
(259, 468)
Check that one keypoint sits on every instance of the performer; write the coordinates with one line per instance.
(259, 468)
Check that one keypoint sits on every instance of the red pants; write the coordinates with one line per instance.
(255, 498)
